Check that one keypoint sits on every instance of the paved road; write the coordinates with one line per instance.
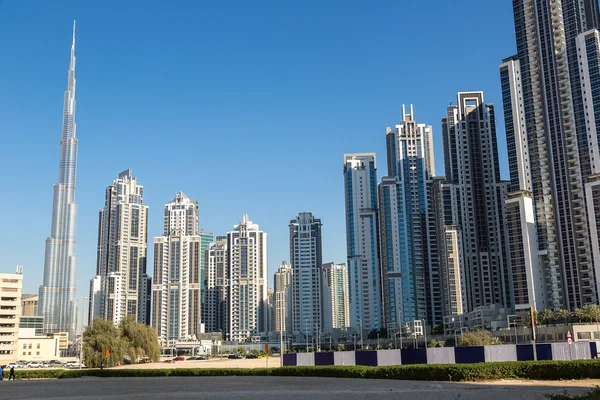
(265, 388)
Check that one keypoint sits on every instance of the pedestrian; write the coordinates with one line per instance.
(12, 373)
(1, 373)
(101, 366)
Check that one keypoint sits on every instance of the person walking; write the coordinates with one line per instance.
(1, 373)
(12, 373)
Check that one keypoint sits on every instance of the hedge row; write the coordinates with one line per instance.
(543, 370)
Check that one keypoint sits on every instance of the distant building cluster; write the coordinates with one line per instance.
(466, 249)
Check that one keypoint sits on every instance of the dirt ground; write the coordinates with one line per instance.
(212, 363)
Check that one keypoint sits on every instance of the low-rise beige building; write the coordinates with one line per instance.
(29, 304)
(38, 348)
(10, 311)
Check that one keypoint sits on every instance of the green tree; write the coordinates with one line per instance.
(478, 338)
(240, 350)
(340, 347)
(437, 329)
(255, 352)
(140, 340)
(99, 337)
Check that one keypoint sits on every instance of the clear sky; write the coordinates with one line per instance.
(246, 106)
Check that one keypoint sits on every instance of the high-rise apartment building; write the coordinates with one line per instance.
(548, 94)
(336, 301)
(176, 288)
(10, 303)
(122, 247)
(449, 240)
(306, 256)
(472, 168)
(362, 227)
(283, 298)
(214, 308)
(57, 293)
(409, 258)
(247, 274)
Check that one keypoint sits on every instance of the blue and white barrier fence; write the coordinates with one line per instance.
(446, 355)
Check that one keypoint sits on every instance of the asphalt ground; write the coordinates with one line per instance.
(270, 388)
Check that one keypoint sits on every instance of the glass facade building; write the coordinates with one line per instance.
(362, 236)
(57, 293)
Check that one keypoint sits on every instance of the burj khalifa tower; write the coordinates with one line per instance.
(57, 294)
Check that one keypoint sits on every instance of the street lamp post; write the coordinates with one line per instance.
(514, 322)
(361, 334)
(306, 333)
(81, 335)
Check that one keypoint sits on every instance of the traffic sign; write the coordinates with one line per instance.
(569, 338)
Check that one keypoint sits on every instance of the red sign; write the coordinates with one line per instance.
(569, 338)
(107, 353)
(266, 347)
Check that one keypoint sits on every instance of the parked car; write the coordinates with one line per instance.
(54, 363)
(235, 356)
(13, 365)
(33, 364)
(179, 359)
(251, 356)
(73, 364)
(191, 358)
(145, 360)
(203, 358)
(44, 364)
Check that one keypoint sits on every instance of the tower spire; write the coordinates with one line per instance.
(73, 45)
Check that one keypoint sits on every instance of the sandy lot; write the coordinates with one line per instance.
(212, 363)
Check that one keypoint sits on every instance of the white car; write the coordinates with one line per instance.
(33, 364)
(73, 364)
(15, 365)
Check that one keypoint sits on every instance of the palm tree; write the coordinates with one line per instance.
(548, 316)
(563, 315)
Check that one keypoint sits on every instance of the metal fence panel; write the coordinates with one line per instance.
(506, 352)
(389, 357)
(325, 358)
(305, 359)
(289, 360)
(344, 358)
(441, 355)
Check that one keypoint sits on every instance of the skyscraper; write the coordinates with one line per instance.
(409, 259)
(306, 256)
(362, 226)
(214, 308)
(472, 168)
(176, 288)
(122, 247)
(283, 298)
(57, 293)
(449, 239)
(336, 303)
(247, 272)
(545, 87)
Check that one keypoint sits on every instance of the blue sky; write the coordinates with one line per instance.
(247, 107)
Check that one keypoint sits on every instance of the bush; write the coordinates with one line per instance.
(478, 338)
(543, 370)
